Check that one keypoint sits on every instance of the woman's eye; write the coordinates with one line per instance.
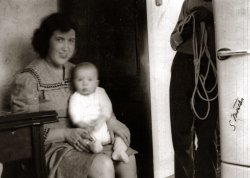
(72, 40)
(59, 39)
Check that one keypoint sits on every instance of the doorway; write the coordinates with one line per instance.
(113, 35)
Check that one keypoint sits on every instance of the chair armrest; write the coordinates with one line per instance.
(14, 121)
(22, 139)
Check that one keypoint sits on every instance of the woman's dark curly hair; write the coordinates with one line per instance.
(51, 23)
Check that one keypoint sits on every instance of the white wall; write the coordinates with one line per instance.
(18, 19)
(161, 21)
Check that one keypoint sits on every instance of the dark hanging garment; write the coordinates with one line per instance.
(189, 113)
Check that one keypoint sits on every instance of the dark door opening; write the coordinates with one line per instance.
(112, 35)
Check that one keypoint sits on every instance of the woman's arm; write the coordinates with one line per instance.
(24, 94)
(118, 128)
(114, 126)
(57, 135)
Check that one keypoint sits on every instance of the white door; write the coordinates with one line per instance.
(232, 28)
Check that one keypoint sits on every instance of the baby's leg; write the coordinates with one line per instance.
(120, 149)
(95, 146)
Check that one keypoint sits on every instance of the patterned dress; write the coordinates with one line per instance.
(37, 88)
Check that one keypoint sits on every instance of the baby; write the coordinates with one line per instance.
(90, 108)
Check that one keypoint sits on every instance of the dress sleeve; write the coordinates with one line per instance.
(106, 104)
(25, 94)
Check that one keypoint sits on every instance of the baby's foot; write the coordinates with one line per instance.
(122, 156)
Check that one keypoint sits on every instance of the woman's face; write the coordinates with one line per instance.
(61, 47)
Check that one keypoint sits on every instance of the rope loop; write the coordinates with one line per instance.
(199, 51)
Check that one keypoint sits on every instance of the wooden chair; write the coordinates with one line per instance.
(22, 144)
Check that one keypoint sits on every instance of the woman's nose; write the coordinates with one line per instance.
(65, 46)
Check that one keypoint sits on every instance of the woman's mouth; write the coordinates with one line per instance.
(64, 56)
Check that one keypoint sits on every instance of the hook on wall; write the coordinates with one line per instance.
(158, 2)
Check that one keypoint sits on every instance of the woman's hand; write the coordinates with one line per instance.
(78, 138)
(118, 128)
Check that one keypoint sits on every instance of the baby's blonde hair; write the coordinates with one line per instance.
(85, 65)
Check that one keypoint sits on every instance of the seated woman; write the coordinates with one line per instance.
(45, 84)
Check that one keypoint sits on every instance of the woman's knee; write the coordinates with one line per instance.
(102, 167)
(124, 170)
(106, 163)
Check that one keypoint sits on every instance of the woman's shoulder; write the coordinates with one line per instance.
(26, 80)
(36, 63)
(46, 75)
(29, 72)
(40, 64)
(35, 67)
(25, 74)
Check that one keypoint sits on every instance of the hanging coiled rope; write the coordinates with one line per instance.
(199, 51)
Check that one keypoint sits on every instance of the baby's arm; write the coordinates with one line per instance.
(106, 105)
(76, 114)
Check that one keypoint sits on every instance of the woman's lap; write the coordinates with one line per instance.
(103, 166)
(63, 161)
(76, 164)
(71, 163)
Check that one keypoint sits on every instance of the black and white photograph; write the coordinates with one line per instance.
(124, 89)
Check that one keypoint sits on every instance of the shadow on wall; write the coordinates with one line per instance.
(16, 54)
(18, 19)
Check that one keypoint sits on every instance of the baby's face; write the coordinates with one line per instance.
(86, 81)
